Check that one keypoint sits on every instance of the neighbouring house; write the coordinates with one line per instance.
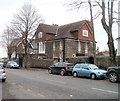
(118, 39)
(16, 50)
(66, 41)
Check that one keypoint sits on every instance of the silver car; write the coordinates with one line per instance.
(2, 73)
(12, 64)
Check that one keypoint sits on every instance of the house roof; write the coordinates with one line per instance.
(16, 41)
(49, 29)
(65, 30)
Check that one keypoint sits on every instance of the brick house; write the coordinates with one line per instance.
(64, 42)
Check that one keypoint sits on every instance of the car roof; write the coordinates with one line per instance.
(85, 63)
(64, 62)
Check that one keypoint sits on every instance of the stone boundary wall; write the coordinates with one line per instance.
(101, 61)
(40, 63)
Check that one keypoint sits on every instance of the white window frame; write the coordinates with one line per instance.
(85, 33)
(41, 47)
(40, 34)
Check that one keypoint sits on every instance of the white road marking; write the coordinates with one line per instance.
(105, 90)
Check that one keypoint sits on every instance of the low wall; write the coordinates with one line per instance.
(101, 61)
(40, 63)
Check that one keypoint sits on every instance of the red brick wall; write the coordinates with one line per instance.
(48, 36)
(80, 36)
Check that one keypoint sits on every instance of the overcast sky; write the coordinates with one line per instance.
(53, 12)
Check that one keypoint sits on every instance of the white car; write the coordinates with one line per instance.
(12, 64)
(2, 73)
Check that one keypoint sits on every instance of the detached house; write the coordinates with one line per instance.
(66, 41)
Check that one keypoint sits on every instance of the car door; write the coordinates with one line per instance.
(85, 70)
(54, 67)
(61, 66)
(78, 69)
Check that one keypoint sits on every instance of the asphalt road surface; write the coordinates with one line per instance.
(39, 84)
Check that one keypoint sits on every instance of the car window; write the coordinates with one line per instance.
(78, 66)
(62, 64)
(93, 67)
(85, 66)
(56, 64)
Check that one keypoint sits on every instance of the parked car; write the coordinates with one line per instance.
(62, 68)
(113, 74)
(88, 70)
(2, 72)
(12, 64)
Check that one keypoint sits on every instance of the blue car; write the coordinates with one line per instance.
(88, 70)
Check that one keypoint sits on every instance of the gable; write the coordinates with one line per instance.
(82, 29)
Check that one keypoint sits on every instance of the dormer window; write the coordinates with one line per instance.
(40, 34)
(85, 33)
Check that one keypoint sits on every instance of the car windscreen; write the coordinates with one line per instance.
(12, 62)
(93, 67)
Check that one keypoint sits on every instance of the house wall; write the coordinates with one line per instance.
(71, 48)
(49, 49)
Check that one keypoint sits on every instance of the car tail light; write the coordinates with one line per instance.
(66, 68)
(3, 71)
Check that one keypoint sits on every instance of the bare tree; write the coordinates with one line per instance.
(106, 8)
(25, 23)
(8, 36)
(107, 23)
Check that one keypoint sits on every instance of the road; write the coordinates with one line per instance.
(38, 84)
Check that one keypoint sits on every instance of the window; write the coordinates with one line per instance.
(77, 65)
(85, 33)
(40, 34)
(41, 47)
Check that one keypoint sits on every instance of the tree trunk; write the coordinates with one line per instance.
(26, 58)
(108, 29)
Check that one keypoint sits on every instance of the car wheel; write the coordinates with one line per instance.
(93, 76)
(50, 71)
(75, 74)
(3, 80)
(62, 73)
(113, 77)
